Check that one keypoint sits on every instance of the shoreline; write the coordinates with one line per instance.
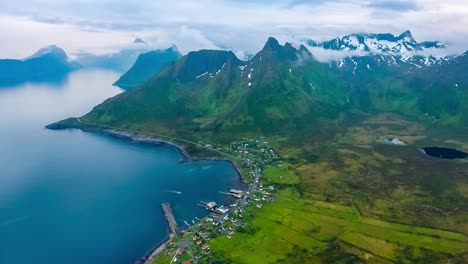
(141, 138)
(138, 138)
(156, 251)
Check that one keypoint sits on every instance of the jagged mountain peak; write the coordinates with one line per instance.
(406, 34)
(197, 64)
(139, 41)
(271, 44)
(174, 48)
(273, 48)
(52, 50)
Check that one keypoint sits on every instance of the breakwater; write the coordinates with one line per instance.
(166, 207)
(174, 231)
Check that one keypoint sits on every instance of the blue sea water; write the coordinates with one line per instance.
(73, 197)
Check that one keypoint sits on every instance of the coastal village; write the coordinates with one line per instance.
(192, 245)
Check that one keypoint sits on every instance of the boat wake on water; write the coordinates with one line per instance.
(176, 192)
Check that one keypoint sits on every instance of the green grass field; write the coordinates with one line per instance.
(280, 175)
(316, 226)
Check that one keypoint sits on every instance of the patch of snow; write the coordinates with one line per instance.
(368, 67)
(427, 62)
(201, 75)
(341, 64)
(290, 70)
(395, 141)
(417, 66)
(250, 84)
(311, 85)
(353, 42)
(224, 64)
(250, 75)
(372, 44)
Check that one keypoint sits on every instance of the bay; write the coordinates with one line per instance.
(73, 197)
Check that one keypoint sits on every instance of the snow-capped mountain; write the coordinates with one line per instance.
(377, 43)
(377, 52)
(384, 62)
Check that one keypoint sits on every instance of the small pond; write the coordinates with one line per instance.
(444, 153)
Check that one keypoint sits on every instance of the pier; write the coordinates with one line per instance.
(166, 207)
(213, 207)
(238, 194)
(174, 231)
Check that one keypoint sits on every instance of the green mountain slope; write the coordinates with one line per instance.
(280, 89)
(328, 127)
(214, 90)
(147, 65)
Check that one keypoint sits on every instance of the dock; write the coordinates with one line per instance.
(166, 207)
(213, 207)
(235, 195)
(238, 194)
(236, 191)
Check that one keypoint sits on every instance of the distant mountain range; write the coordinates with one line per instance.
(378, 43)
(376, 52)
(49, 64)
(147, 65)
(283, 90)
(120, 61)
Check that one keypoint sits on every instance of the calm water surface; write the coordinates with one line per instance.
(73, 197)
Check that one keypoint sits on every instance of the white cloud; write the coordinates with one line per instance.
(242, 26)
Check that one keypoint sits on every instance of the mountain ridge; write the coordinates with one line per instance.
(402, 44)
(48, 64)
(147, 65)
(280, 88)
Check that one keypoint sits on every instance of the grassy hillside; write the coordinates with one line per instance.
(147, 65)
(345, 196)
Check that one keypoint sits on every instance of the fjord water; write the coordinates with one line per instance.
(74, 197)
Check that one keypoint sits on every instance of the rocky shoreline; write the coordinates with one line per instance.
(139, 138)
(149, 140)
(154, 253)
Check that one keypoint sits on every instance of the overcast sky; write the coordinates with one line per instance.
(102, 26)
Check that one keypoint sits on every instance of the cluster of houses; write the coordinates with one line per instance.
(226, 219)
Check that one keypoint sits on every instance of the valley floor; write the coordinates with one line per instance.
(349, 199)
